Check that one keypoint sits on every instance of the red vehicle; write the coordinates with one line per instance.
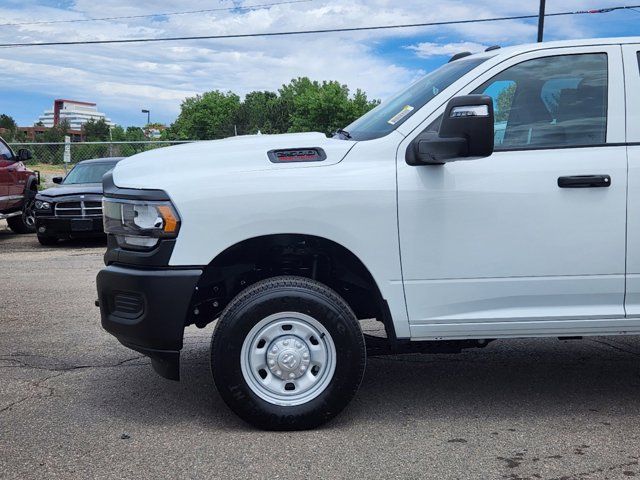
(18, 188)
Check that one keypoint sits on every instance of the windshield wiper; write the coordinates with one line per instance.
(343, 133)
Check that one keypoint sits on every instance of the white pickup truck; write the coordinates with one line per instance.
(497, 197)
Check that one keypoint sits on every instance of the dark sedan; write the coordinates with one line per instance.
(74, 208)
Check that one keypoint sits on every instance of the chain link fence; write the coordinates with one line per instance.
(53, 153)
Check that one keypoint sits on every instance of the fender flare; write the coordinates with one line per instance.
(31, 187)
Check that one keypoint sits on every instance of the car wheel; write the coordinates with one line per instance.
(25, 223)
(287, 354)
(47, 241)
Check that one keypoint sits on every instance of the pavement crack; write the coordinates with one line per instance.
(37, 384)
(18, 362)
(616, 347)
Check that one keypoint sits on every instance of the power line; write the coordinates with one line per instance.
(151, 15)
(313, 32)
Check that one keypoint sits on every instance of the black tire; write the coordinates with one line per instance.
(47, 241)
(287, 294)
(26, 222)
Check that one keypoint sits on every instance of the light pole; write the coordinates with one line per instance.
(541, 20)
(148, 112)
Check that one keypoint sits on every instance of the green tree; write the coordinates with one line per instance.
(134, 134)
(208, 116)
(56, 133)
(118, 134)
(300, 106)
(8, 122)
(322, 107)
(260, 112)
(9, 128)
(96, 131)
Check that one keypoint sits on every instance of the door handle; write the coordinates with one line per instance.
(584, 181)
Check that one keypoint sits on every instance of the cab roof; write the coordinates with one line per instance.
(531, 47)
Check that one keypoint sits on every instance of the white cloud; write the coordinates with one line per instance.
(124, 78)
(430, 49)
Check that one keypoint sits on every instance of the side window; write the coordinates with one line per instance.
(5, 152)
(548, 102)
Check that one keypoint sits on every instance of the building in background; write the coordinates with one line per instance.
(36, 133)
(74, 112)
(154, 131)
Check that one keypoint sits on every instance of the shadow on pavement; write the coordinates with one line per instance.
(508, 381)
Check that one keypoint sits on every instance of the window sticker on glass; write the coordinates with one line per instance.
(406, 110)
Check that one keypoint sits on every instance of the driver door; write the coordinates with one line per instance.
(494, 247)
(6, 161)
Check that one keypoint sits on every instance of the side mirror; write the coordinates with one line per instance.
(466, 131)
(57, 180)
(24, 155)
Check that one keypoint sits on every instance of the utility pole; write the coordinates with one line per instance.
(541, 20)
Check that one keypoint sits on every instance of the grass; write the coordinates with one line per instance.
(47, 168)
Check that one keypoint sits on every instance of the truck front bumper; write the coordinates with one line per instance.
(146, 310)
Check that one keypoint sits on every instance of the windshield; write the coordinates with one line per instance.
(391, 113)
(88, 173)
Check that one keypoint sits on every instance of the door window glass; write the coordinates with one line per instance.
(5, 152)
(558, 101)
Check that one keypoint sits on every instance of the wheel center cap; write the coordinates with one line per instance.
(288, 357)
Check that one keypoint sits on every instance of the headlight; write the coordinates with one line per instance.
(139, 224)
(41, 205)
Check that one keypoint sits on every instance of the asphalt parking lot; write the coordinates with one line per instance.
(76, 404)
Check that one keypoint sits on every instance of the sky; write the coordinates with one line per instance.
(123, 79)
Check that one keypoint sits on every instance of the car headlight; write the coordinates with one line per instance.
(139, 224)
(42, 205)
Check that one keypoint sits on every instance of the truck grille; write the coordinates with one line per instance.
(80, 208)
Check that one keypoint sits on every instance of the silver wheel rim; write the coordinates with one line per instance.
(28, 217)
(288, 358)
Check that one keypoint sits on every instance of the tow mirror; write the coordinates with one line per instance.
(57, 180)
(466, 131)
(24, 155)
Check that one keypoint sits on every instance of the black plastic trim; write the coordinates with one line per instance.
(165, 363)
(111, 190)
(458, 56)
(158, 257)
(165, 297)
(566, 147)
(584, 181)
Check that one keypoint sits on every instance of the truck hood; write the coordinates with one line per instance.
(75, 189)
(153, 168)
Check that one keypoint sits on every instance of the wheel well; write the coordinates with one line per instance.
(309, 256)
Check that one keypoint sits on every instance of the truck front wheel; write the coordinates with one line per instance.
(26, 222)
(287, 354)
